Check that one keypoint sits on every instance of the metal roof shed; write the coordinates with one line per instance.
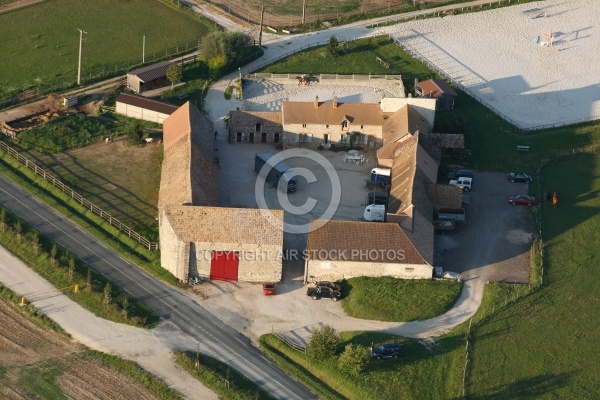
(149, 77)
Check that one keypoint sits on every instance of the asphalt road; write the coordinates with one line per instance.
(220, 340)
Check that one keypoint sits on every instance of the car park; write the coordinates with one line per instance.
(461, 173)
(522, 200)
(519, 177)
(388, 350)
(327, 284)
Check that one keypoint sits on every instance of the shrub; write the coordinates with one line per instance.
(323, 342)
(354, 359)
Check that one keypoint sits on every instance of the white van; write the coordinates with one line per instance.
(374, 212)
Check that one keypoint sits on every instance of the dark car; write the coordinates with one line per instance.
(388, 350)
(330, 285)
(461, 173)
(522, 200)
(318, 292)
(379, 198)
(519, 177)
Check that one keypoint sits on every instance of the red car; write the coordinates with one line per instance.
(522, 200)
(268, 289)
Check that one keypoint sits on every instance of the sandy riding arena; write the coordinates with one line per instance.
(537, 63)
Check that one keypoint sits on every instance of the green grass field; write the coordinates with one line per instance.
(397, 300)
(546, 346)
(41, 42)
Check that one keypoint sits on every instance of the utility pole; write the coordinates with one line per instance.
(241, 88)
(303, 12)
(81, 32)
(144, 49)
(262, 14)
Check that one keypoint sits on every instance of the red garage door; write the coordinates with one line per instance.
(224, 265)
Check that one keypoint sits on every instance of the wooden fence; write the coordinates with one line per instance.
(79, 198)
(292, 344)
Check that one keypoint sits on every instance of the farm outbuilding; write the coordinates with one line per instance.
(143, 108)
(439, 90)
(150, 77)
(346, 249)
(198, 239)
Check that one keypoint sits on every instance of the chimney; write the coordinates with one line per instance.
(334, 101)
(316, 101)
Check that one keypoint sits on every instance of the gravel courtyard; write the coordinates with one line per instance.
(498, 56)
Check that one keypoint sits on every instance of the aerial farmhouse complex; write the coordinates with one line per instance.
(199, 239)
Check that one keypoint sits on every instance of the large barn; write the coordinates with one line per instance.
(198, 239)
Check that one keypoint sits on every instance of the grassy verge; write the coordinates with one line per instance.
(64, 271)
(34, 315)
(428, 370)
(226, 382)
(119, 242)
(389, 299)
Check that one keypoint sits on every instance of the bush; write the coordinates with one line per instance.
(323, 343)
(354, 359)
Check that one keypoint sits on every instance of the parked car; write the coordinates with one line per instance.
(330, 285)
(318, 292)
(461, 173)
(439, 273)
(519, 177)
(522, 200)
(268, 289)
(388, 350)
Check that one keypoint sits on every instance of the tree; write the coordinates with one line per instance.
(19, 230)
(2, 219)
(88, 281)
(323, 342)
(35, 241)
(135, 133)
(107, 294)
(71, 275)
(223, 50)
(333, 48)
(354, 359)
(174, 73)
(53, 253)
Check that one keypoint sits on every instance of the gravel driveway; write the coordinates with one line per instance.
(494, 244)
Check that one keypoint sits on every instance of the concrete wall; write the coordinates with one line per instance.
(257, 263)
(424, 106)
(174, 254)
(335, 270)
(133, 82)
(140, 113)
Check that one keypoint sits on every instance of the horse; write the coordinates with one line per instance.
(303, 80)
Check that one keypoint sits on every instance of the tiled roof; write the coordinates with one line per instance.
(245, 118)
(234, 226)
(356, 113)
(435, 88)
(405, 121)
(146, 103)
(151, 72)
(360, 241)
(403, 174)
(189, 175)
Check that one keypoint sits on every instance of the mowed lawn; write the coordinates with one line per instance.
(547, 345)
(41, 42)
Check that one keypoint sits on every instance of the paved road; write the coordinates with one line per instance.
(173, 306)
